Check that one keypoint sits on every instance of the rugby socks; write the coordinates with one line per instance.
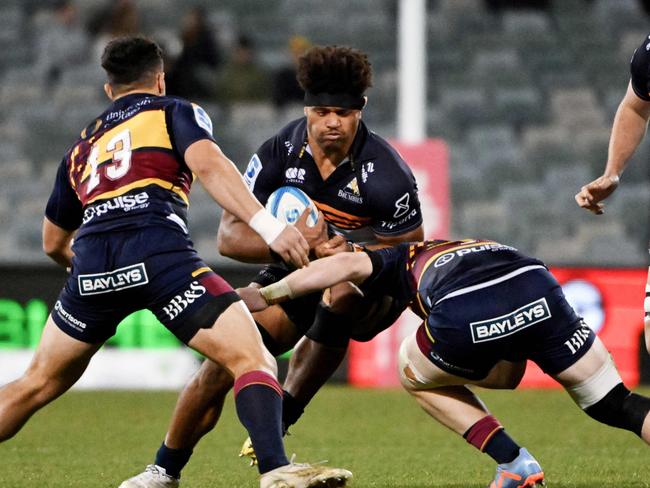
(292, 410)
(488, 436)
(258, 399)
(173, 460)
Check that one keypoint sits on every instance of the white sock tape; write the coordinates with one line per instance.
(266, 225)
(594, 389)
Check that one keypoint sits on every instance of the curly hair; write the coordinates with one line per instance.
(334, 69)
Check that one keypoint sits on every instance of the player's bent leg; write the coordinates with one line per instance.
(59, 361)
(444, 397)
(596, 386)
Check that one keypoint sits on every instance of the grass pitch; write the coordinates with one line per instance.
(97, 439)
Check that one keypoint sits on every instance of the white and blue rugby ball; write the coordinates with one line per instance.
(287, 204)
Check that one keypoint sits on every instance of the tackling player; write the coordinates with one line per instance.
(486, 309)
(368, 197)
(122, 192)
(628, 130)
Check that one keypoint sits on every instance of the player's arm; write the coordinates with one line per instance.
(223, 182)
(628, 129)
(321, 274)
(338, 243)
(63, 216)
(57, 243)
(236, 240)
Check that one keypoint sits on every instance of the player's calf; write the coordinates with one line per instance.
(604, 397)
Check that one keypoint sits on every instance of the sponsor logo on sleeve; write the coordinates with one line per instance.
(202, 119)
(505, 325)
(180, 302)
(252, 171)
(120, 279)
(402, 206)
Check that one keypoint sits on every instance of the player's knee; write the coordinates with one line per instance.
(407, 374)
(211, 377)
(344, 299)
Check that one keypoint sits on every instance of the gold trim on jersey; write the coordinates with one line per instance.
(139, 184)
(468, 243)
(148, 130)
(204, 269)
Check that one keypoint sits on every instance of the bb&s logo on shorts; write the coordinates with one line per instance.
(68, 318)
(180, 302)
(120, 279)
(505, 325)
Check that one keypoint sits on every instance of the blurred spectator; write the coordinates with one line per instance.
(285, 86)
(192, 73)
(62, 42)
(242, 79)
(116, 19)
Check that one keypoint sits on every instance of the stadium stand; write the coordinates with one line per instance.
(524, 99)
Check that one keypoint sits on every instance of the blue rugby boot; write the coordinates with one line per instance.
(523, 472)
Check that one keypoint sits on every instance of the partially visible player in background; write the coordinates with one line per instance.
(629, 128)
(487, 308)
(368, 196)
(122, 192)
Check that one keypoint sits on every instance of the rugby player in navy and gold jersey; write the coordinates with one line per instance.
(486, 308)
(629, 127)
(122, 192)
(368, 197)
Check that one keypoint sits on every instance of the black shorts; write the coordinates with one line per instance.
(115, 274)
(524, 317)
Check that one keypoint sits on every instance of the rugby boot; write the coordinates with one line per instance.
(303, 475)
(523, 472)
(152, 477)
(247, 450)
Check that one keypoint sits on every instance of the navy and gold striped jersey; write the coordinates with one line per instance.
(373, 192)
(426, 272)
(127, 169)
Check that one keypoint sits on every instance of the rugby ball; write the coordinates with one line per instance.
(287, 204)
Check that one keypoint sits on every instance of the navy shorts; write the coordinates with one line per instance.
(524, 317)
(115, 274)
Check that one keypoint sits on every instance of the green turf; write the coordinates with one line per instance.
(96, 439)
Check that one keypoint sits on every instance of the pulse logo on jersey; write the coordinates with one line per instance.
(448, 257)
(505, 325)
(180, 302)
(126, 203)
(120, 279)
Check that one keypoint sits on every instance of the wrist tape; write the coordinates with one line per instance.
(266, 225)
(277, 292)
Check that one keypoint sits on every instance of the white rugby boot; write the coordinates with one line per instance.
(153, 476)
(303, 475)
